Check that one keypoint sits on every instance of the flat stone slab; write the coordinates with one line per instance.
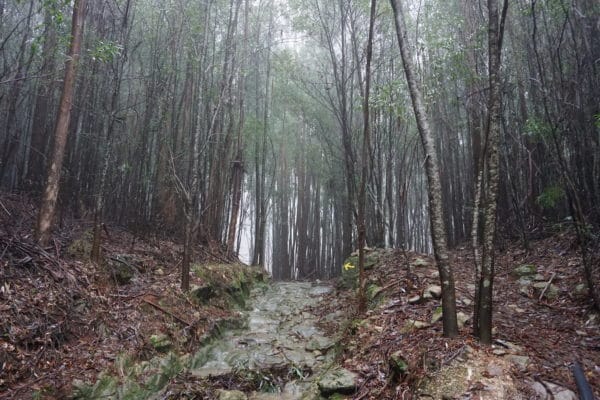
(338, 380)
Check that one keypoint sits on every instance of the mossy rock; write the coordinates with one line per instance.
(121, 272)
(551, 291)
(350, 271)
(230, 283)
(398, 364)
(81, 248)
(337, 380)
(202, 294)
(374, 294)
(525, 270)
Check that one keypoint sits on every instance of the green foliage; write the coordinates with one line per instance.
(597, 120)
(537, 129)
(551, 196)
(56, 9)
(105, 387)
(106, 51)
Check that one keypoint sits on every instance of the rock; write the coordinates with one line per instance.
(524, 290)
(231, 395)
(494, 370)
(373, 291)
(521, 362)
(462, 319)
(525, 270)
(159, 272)
(516, 308)
(338, 380)
(161, 342)
(320, 343)
(551, 292)
(437, 315)
(398, 364)
(581, 290)
(433, 290)
(420, 262)
(525, 280)
(556, 392)
(202, 293)
(467, 302)
(81, 248)
(411, 324)
(509, 345)
(415, 300)
(121, 272)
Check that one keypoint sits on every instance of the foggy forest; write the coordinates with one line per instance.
(299, 199)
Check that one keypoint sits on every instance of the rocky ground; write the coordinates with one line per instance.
(543, 322)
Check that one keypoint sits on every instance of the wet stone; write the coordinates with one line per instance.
(338, 380)
(279, 334)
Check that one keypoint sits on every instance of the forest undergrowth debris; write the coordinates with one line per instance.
(537, 336)
(64, 318)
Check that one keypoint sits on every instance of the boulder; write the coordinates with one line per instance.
(433, 291)
(462, 319)
(338, 380)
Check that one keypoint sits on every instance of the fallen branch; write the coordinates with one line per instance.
(159, 307)
(547, 286)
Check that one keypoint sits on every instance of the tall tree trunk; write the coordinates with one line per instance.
(490, 175)
(43, 102)
(365, 161)
(238, 162)
(434, 186)
(61, 131)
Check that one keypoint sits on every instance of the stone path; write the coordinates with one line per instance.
(279, 336)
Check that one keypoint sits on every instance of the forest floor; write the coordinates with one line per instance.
(539, 329)
(63, 319)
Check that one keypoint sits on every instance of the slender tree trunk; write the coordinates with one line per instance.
(238, 163)
(362, 298)
(43, 101)
(490, 175)
(61, 131)
(434, 186)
